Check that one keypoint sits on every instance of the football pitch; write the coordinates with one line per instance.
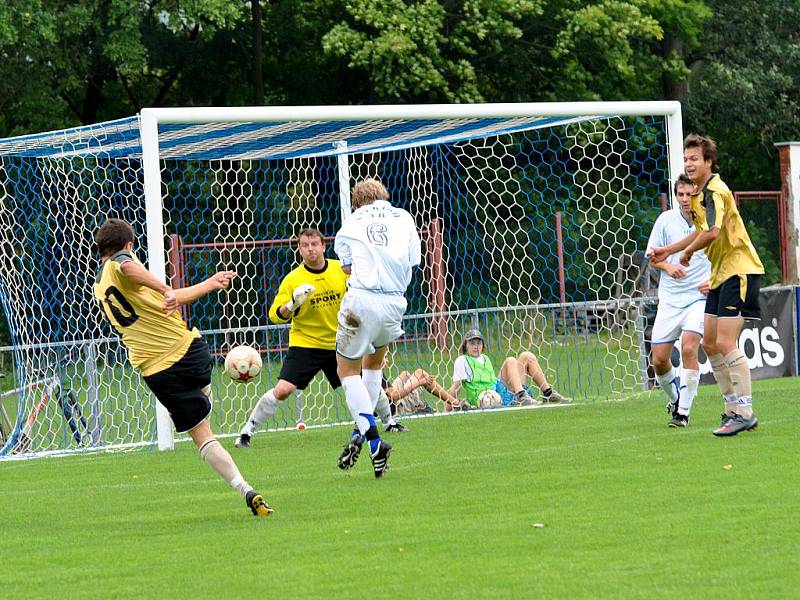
(583, 501)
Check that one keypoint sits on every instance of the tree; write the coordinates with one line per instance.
(745, 86)
(100, 59)
(424, 51)
(622, 49)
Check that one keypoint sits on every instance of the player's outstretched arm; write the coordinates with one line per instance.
(702, 240)
(174, 298)
(187, 295)
(660, 254)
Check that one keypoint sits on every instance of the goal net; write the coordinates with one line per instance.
(533, 220)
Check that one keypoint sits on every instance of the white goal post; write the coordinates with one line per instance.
(533, 218)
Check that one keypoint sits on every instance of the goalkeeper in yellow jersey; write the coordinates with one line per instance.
(734, 283)
(174, 360)
(309, 296)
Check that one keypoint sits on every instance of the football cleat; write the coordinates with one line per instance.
(349, 455)
(255, 502)
(242, 441)
(672, 407)
(380, 458)
(397, 427)
(679, 421)
(731, 425)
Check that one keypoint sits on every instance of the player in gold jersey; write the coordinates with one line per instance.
(734, 283)
(174, 360)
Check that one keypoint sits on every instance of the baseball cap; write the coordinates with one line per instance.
(472, 334)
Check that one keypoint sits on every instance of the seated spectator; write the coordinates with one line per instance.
(473, 371)
(405, 395)
(404, 392)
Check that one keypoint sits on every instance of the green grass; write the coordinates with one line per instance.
(631, 509)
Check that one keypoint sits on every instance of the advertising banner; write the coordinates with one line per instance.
(769, 344)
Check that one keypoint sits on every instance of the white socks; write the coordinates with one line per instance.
(691, 377)
(670, 382)
(372, 381)
(265, 408)
(384, 410)
(358, 401)
(218, 459)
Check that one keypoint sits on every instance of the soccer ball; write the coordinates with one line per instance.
(489, 399)
(243, 363)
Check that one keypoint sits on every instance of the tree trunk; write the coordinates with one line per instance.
(673, 89)
(258, 75)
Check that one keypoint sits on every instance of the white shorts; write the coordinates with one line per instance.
(671, 321)
(368, 321)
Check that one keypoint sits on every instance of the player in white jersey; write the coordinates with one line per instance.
(681, 304)
(379, 246)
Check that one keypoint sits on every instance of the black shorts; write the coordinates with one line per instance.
(302, 364)
(736, 297)
(179, 388)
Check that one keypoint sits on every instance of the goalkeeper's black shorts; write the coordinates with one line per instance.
(302, 364)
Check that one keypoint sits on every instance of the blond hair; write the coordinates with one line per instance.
(367, 191)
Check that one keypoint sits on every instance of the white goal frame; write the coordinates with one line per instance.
(151, 118)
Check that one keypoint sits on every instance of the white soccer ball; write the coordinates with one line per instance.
(489, 399)
(243, 363)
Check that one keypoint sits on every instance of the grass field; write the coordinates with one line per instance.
(629, 508)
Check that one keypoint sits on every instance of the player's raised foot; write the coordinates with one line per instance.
(679, 421)
(380, 460)
(734, 424)
(396, 427)
(255, 502)
(242, 441)
(349, 455)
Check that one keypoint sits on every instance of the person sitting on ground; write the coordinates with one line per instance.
(473, 371)
(404, 392)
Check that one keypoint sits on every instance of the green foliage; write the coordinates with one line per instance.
(764, 240)
(745, 87)
(605, 50)
(100, 59)
(424, 51)
(600, 38)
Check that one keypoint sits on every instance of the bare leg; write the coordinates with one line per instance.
(511, 373)
(437, 390)
(530, 364)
